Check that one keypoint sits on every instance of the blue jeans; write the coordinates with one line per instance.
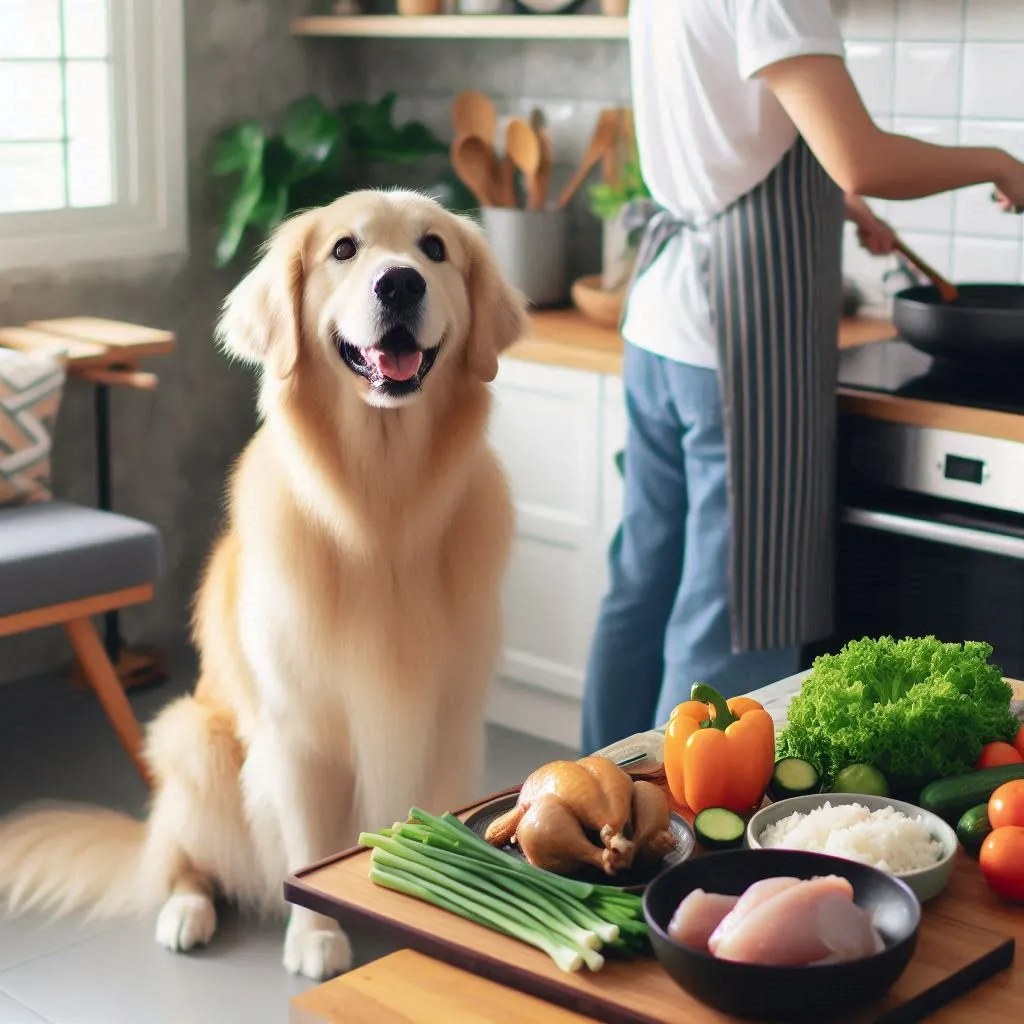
(664, 623)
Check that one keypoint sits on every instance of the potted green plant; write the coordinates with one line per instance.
(317, 154)
(609, 201)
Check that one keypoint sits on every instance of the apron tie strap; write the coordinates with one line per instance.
(656, 226)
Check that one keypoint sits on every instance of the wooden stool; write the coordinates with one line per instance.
(409, 988)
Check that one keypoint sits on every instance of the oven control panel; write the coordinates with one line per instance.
(982, 471)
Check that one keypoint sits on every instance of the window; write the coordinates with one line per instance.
(91, 130)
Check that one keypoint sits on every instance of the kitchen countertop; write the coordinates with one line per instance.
(993, 1002)
(564, 337)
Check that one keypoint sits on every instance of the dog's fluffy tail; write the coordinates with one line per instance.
(88, 859)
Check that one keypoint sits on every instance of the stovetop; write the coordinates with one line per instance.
(897, 368)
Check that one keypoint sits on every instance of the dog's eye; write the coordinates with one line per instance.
(433, 248)
(344, 249)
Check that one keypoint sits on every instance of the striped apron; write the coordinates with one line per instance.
(774, 278)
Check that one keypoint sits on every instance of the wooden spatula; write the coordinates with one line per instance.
(523, 146)
(476, 165)
(947, 290)
(547, 159)
(474, 114)
(604, 138)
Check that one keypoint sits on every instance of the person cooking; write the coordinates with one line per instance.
(755, 145)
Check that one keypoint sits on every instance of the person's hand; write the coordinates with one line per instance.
(872, 232)
(1009, 189)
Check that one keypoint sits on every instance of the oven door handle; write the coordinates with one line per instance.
(939, 533)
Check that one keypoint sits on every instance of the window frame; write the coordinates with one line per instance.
(148, 217)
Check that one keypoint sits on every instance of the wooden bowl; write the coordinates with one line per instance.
(604, 308)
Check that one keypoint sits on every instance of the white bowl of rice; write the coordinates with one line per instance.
(896, 837)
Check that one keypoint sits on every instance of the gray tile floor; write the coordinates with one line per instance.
(55, 744)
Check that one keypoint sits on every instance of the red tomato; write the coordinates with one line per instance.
(993, 755)
(1019, 741)
(1006, 805)
(1002, 862)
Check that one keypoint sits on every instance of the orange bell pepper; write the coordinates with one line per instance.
(719, 753)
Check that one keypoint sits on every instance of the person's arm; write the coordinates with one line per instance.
(872, 232)
(822, 100)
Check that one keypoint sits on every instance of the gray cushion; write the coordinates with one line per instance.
(52, 552)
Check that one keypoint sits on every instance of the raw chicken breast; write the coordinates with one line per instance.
(801, 924)
(753, 896)
(697, 916)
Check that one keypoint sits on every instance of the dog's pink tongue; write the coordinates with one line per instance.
(396, 365)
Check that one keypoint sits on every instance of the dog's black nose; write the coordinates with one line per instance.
(400, 288)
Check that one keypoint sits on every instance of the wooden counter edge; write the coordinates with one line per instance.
(362, 995)
(565, 338)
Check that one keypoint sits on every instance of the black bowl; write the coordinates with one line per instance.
(783, 993)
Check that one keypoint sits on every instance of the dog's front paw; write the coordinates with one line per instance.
(186, 920)
(316, 950)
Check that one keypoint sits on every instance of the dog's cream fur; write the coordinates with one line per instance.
(348, 618)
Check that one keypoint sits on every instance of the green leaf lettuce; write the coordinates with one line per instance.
(918, 709)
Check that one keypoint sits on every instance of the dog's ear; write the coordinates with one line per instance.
(497, 311)
(261, 321)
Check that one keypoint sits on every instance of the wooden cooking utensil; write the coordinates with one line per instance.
(947, 290)
(474, 114)
(547, 158)
(476, 165)
(603, 139)
(523, 146)
(611, 163)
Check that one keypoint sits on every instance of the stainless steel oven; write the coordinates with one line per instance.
(931, 538)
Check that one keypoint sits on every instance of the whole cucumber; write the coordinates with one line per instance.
(950, 798)
(973, 828)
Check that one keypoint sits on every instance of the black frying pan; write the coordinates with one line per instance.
(983, 325)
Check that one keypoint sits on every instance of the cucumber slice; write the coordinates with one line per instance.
(793, 776)
(718, 828)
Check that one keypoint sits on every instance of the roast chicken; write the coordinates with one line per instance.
(571, 813)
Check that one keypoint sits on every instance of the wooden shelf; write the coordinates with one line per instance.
(465, 26)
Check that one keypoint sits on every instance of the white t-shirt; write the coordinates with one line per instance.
(708, 131)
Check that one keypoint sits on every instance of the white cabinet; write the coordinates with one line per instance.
(557, 432)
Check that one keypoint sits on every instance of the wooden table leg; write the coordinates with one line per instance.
(98, 669)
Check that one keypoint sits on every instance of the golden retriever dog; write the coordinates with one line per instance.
(348, 619)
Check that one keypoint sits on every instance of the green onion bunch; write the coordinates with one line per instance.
(443, 862)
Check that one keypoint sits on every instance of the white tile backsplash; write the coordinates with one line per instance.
(995, 20)
(872, 67)
(947, 71)
(869, 19)
(930, 19)
(927, 79)
(993, 80)
(980, 260)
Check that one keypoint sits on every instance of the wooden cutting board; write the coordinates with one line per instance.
(966, 938)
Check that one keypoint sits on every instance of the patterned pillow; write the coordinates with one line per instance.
(31, 387)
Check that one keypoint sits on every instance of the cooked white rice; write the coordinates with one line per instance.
(886, 839)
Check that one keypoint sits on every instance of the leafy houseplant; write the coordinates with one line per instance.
(316, 155)
(608, 201)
